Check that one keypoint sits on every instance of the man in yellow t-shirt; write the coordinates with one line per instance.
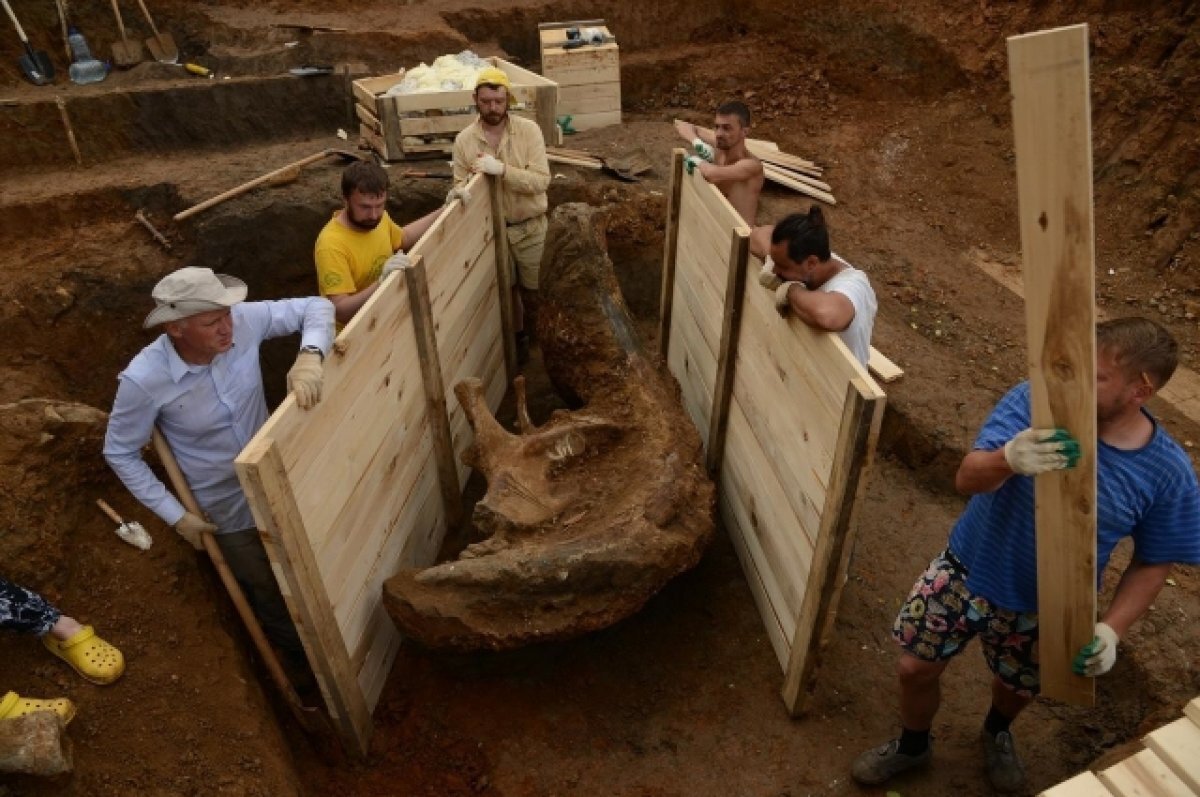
(361, 244)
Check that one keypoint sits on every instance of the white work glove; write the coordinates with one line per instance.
(304, 379)
(488, 165)
(692, 162)
(782, 305)
(767, 277)
(396, 262)
(458, 193)
(1098, 656)
(193, 528)
(704, 150)
(1035, 451)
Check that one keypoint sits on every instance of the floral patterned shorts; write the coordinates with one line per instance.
(941, 616)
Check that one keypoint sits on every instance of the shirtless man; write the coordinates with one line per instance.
(731, 168)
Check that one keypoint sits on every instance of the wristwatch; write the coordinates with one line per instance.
(315, 350)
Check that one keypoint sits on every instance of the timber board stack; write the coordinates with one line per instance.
(588, 76)
(424, 124)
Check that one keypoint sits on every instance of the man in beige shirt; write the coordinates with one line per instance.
(511, 149)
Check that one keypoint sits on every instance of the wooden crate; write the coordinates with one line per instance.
(425, 124)
(588, 77)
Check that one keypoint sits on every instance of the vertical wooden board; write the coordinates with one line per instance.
(263, 476)
(858, 429)
(1144, 775)
(1178, 745)
(776, 538)
(702, 300)
(1052, 128)
(731, 324)
(766, 607)
(693, 364)
(1085, 784)
(670, 242)
(1192, 710)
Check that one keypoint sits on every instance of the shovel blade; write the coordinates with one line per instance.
(37, 67)
(127, 53)
(162, 48)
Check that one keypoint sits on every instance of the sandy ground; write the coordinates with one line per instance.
(905, 104)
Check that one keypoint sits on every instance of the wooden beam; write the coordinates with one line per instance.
(504, 281)
(882, 368)
(435, 392)
(1052, 128)
(670, 247)
(781, 177)
(281, 526)
(862, 414)
(731, 325)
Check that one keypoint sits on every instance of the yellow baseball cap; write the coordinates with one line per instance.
(494, 76)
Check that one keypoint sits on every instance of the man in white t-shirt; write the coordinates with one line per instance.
(813, 283)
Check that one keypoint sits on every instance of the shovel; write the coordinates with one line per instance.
(131, 532)
(629, 166)
(127, 52)
(161, 45)
(35, 63)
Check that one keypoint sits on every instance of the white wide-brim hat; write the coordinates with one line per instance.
(193, 290)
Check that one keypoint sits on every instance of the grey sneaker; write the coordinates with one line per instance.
(880, 764)
(1004, 769)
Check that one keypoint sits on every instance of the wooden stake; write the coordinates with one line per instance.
(141, 219)
(66, 120)
(504, 278)
(731, 325)
(436, 414)
(670, 248)
(1052, 129)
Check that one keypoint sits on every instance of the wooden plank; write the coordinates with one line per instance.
(520, 76)
(554, 157)
(435, 125)
(1192, 710)
(374, 141)
(263, 477)
(504, 281)
(693, 365)
(731, 325)
(579, 68)
(1178, 745)
(578, 23)
(1052, 128)
(367, 118)
(589, 98)
(670, 241)
(1085, 784)
(882, 368)
(859, 429)
(435, 392)
(546, 114)
(1144, 775)
(592, 121)
(780, 177)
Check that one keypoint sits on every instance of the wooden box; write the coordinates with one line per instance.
(425, 124)
(588, 77)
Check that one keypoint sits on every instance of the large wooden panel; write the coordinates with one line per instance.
(1085, 784)
(1144, 775)
(1178, 745)
(1052, 128)
(801, 420)
(348, 492)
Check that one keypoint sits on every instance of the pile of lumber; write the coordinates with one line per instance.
(790, 171)
(573, 157)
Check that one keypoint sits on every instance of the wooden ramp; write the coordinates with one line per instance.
(1170, 767)
(365, 482)
(788, 416)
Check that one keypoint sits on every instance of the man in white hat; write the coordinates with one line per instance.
(201, 383)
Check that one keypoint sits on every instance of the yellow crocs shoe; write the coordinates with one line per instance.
(89, 655)
(13, 705)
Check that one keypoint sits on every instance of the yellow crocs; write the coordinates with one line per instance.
(13, 705)
(90, 656)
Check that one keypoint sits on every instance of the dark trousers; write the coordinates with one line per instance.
(247, 559)
(24, 610)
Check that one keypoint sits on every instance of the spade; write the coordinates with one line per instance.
(35, 63)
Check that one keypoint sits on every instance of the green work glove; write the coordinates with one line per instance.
(1035, 451)
(691, 162)
(1098, 656)
(704, 150)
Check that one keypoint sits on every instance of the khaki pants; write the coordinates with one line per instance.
(525, 244)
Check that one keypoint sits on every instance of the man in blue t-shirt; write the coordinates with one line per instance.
(985, 583)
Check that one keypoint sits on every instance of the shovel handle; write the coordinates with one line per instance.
(255, 183)
(120, 22)
(167, 457)
(108, 510)
(150, 20)
(20, 31)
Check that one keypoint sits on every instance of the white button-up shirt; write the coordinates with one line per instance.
(207, 412)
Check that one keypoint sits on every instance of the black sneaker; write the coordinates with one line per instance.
(1004, 769)
(880, 764)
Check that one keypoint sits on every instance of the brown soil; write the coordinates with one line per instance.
(905, 103)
